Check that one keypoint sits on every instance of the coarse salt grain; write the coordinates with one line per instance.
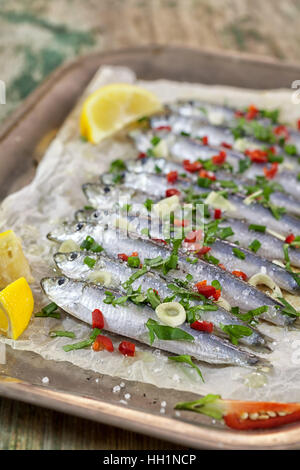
(162, 411)
(163, 404)
(122, 384)
(45, 380)
(116, 389)
(127, 396)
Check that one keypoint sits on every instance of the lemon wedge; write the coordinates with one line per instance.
(13, 263)
(112, 107)
(16, 307)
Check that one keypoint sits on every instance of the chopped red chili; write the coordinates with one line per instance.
(282, 131)
(240, 274)
(207, 174)
(203, 326)
(193, 236)
(226, 145)
(172, 192)
(207, 291)
(123, 256)
(97, 319)
(141, 155)
(220, 158)
(203, 250)
(164, 128)
(218, 214)
(205, 140)
(298, 124)
(252, 112)
(172, 176)
(238, 113)
(257, 155)
(126, 348)
(290, 238)
(271, 172)
(191, 167)
(220, 265)
(103, 342)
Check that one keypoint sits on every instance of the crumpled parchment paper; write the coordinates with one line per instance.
(55, 193)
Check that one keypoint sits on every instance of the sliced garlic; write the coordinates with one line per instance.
(264, 279)
(68, 246)
(216, 117)
(217, 201)
(243, 144)
(101, 277)
(171, 313)
(161, 149)
(165, 206)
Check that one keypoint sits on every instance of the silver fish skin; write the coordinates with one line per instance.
(271, 247)
(156, 185)
(234, 290)
(253, 264)
(197, 129)
(162, 166)
(220, 249)
(79, 299)
(72, 265)
(182, 148)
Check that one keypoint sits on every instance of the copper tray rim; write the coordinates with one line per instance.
(177, 431)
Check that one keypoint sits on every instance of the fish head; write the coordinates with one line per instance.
(95, 190)
(62, 290)
(72, 264)
(76, 231)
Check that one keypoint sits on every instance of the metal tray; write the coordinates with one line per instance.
(23, 140)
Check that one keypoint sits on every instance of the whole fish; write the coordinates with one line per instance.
(179, 148)
(79, 299)
(241, 183)
(235, 291)
(73, 265)
(157, 185)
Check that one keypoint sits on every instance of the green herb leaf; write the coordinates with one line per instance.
(68, 334)
(236, 332)
(254, 246)
(210, 405)
(257, 228)
(238, 253)
(166, 333)
(90, 262)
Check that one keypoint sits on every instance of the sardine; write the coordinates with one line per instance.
(72, 265)
(79, 299)
(235, 291)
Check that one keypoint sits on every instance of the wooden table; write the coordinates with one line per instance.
(37, 37)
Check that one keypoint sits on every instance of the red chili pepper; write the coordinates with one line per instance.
(290, 238)
(272, 150)
(202, 326)
(282, 131)
(257, 155)
(298, 124)
(193, 236)
(203, 250)
(271, 172)
(123, 257)
(172, 176)
(207, 291)
(226, 145)
(103, 342)
(134, 254)
(207, 174)
(222, 266)
(219, 159)
(218, 214)
(237, 414)
(141, 155)
(252, 112)
(191, 167)
(164, 128)
(217, 294)
(172, 192)
(240, 274)
(97, 319)
(205, 140)
(127, 349)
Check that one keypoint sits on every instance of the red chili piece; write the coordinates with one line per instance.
(141, 155)
(240, 274)
(172, 192)
(122, 256)
(226, 145)
(164, 128)
(203, 326)
(205, 140)
(172, 176)
(103, 342)
(252, 112)
(257, 155)
(207, 174)
(218, 214)
(219, 159)
(191, 167)
(97, 319)
(290, 238)
(127, 349)
(271, 172)
(203, 250)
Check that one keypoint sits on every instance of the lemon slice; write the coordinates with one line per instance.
(16, 307)
(112, 107)
(13, 263)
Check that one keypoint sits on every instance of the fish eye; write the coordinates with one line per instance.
(73, 256)
(61, 281)
(79, 226)
(95, 215)
(106, 189)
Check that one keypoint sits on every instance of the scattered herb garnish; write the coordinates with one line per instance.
(236, 332)
(187, 360)
(166, 333)
(49, 310)
(67, 334)
(238, 253)
(255, 246)
(83, 344)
